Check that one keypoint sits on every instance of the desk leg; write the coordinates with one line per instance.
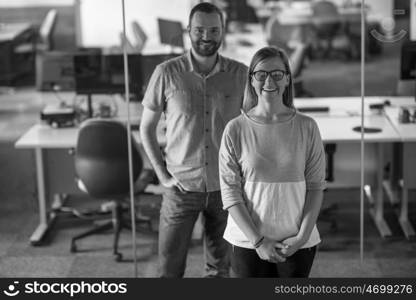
(408, 174)
(401, 203)
(403, 211)
(44, 221)
(377, 209)
(407, 227)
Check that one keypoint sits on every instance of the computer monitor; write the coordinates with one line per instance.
(408, 61)
(104, 74)
(171, 32)
(148, 65)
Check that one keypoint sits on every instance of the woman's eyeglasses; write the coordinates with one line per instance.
(276, 75)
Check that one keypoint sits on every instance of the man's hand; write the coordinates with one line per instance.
(171, 182)
(267, 251)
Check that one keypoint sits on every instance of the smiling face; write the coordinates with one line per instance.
(206, 32)
(272, 83)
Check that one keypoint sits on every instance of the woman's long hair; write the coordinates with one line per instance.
(250, 96)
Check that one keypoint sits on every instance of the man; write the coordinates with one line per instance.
(199, 92)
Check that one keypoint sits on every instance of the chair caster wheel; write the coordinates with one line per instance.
(118, 257)
(73, 247)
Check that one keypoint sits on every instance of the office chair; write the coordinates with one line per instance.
(290, 39)
(43, 40)
(129, 45)
(102, 167)
(325, 214)
(297, 59)
(405, 87)
(136, 46)
(139, 35)
(326, 22)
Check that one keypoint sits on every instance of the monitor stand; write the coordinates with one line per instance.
(414, 89)
(89, 103)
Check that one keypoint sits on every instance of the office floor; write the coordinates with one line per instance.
(338, 255)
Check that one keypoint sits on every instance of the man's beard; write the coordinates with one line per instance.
(205, 49)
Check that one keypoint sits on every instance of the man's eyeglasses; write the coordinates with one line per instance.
(276, 75)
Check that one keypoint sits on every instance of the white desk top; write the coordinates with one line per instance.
(46, 137)
(335, 126)
(350, 106)
(339, 129)
(333, 129)
(344, 114)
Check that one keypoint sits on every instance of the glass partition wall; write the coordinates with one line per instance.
(390, 93)
(345, 59)
(360, 95)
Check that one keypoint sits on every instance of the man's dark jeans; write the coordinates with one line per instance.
(178, 215)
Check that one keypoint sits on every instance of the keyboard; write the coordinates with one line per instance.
(312, 109)
(244, 43)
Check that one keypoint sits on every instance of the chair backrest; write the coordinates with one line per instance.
(324, 8)
(287, 38)
(297, 59)
(129, 46)
(46, 29)
(101, 158)
(277, 34)
(139, 35)
(325, 15)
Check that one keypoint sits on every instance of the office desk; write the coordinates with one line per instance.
(407, 133)
(404, 159)
(341, 106)
(338, 129)
(55, 168)
(346, 110)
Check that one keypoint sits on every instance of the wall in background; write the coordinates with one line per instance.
(25, 3)
(100, 21)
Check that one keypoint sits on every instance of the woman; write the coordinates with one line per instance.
(272, 174)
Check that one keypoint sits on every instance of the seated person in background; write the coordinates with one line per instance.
(292, 40)
(272, 176)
